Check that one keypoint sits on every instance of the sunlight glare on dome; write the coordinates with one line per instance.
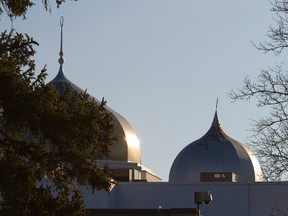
(132, 139)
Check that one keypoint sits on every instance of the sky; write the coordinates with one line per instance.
(161, 64)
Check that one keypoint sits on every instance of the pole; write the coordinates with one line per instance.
(197, 210)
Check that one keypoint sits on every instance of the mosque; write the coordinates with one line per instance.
(215, 164)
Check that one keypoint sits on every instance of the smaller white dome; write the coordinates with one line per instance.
(215, 152)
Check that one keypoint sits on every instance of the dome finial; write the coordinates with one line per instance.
(216, 120)
(61, 59)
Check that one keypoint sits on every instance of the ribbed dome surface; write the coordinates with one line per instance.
(215, 152)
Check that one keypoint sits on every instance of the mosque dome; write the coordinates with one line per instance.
(127, 146)
(215, 157)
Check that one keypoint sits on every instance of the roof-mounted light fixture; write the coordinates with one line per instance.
(200, 198)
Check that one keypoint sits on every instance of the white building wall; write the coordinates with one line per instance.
(229, 199)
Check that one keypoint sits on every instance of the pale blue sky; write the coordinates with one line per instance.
(161, 64)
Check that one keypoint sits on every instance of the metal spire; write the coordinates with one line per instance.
(60, 77)
(216, 120)
(61, 59)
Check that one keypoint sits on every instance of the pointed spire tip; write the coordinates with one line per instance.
(61, 21)
(215, 119)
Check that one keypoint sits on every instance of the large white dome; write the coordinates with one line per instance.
(124, 158)
(127, 147)
(214, 153)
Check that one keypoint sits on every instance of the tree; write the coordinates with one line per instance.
(19, 8)
(277, 34)
(48, 141)
(270, 133)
